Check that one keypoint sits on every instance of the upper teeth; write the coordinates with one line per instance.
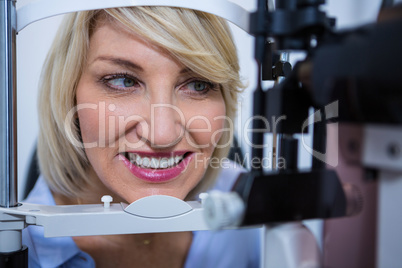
(152, 162)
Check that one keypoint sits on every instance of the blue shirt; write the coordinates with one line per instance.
(228, 248)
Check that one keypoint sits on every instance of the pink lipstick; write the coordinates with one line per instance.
(165, 166)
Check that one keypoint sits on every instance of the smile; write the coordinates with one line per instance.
(156, 167)
(154, 162)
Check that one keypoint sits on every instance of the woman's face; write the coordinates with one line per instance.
(148, 123)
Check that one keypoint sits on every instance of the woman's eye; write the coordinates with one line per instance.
(199, 86)
(122, 82)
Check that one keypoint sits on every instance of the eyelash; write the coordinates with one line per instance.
(108, 78)
(209, 86)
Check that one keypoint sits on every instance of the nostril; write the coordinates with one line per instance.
(164, 128)
(164, 142)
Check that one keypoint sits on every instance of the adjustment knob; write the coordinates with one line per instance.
(223, 209)
(106, 199)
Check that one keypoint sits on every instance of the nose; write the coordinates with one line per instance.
(165, 126)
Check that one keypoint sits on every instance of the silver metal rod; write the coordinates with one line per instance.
(276, 137)
(8, 105)
(11, 241)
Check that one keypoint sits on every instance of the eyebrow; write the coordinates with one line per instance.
(130, 64)
(120, 62)
(185, 71)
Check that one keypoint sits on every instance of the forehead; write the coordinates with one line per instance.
(110, 38)
(112, 33)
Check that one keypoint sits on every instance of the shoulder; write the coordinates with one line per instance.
(40, 194)
(55, 251)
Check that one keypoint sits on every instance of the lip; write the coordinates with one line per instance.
(158, 175)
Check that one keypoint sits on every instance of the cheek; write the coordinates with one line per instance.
(206, 127)
(97, 123)
(106, 121)
(88, 111)
(89, 124)
(218, 128)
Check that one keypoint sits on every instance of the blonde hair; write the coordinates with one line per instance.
(200, 41)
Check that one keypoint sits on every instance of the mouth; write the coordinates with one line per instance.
(157, 161)
(156, 167)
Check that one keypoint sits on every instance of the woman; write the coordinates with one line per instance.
(136, 102)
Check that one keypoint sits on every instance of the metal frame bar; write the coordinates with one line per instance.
(8, 105)
(41, 9)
